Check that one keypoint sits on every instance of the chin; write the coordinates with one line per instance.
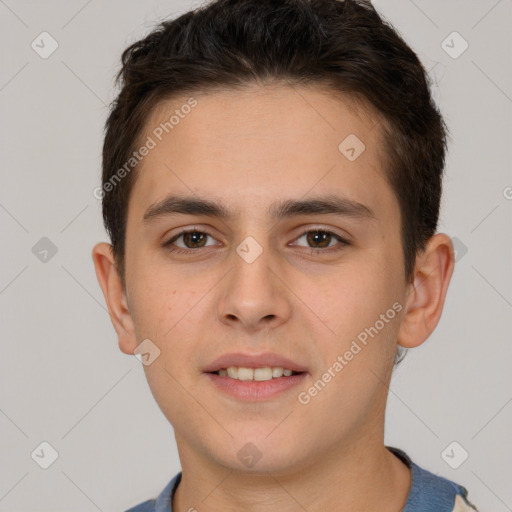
(260, 455)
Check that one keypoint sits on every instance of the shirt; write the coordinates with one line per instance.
(429, 492)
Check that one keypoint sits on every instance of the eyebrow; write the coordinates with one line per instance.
(324, 205)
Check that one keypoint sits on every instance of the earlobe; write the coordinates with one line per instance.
(426, 295)
(115, 296)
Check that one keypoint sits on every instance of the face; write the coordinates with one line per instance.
(321, 287)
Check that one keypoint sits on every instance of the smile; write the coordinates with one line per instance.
(257, 374)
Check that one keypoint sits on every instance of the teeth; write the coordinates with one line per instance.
(277, 372)
(258, 374)
(233, 372)
(263, 373)
(245, 374)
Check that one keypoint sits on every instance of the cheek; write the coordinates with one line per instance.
(158, 300)
(350, 298)
(360, 304)
(172, 309)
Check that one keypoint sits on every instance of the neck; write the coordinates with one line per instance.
(357, 477)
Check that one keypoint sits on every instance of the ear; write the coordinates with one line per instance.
(115, 296)
(426, 294)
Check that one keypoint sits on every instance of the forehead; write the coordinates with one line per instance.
(250, 147)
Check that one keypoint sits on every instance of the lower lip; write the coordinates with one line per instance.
(253, 390)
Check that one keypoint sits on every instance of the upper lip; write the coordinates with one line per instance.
(253, 361)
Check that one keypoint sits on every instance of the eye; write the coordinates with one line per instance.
(323, 238)
(192, 238)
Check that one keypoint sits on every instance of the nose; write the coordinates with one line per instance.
(255, 295)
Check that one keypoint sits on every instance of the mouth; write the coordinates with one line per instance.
(265, 365)
(256, 377)
(261, 374)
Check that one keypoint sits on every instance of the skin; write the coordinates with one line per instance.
(247, 149)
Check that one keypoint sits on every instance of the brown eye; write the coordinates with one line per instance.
(319, 239)
(192, 240)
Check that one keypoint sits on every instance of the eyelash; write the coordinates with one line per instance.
(311, 250)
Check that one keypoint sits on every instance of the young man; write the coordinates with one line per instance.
(271, 187)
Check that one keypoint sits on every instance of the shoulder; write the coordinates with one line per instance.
(436, 493)
(163, 503)
(433, 493)
(146, 506)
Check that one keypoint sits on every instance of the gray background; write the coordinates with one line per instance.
(63, 379)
